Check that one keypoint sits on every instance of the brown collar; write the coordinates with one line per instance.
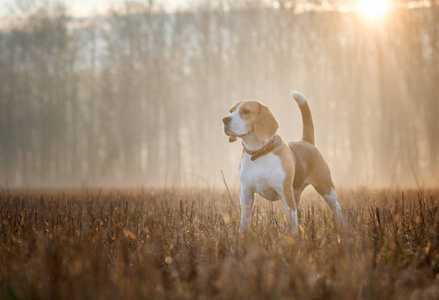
(264, 150)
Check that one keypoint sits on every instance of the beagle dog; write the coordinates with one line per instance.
(275, 169)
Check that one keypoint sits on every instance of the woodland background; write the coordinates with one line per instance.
(136, 97)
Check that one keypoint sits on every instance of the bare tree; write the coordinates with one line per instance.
(137, 96)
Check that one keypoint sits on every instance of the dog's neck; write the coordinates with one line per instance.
(252, 143)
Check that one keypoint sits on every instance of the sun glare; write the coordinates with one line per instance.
(373, 9)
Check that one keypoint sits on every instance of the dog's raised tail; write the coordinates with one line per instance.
(308, 125)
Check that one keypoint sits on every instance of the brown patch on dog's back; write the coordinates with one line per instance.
(311, 168)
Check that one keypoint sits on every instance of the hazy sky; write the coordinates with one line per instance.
(86, 7)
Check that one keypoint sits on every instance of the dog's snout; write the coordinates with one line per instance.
(227, 120)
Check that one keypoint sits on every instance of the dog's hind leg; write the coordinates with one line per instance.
(331, 199)
(298, 198)
(327, 191)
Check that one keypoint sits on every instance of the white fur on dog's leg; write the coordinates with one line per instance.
(245, 223)
(291, 216)
(331, 199)
(293, 224)
(247, 200)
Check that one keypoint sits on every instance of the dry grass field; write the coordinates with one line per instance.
(165, 244)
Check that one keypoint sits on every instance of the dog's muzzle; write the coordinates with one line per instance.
(227, 130)
(227, 120)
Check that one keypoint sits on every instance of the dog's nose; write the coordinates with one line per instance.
(227, 120)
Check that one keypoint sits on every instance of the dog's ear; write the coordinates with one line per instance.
(266, 125)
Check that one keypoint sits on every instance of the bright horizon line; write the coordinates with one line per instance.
(84, 9)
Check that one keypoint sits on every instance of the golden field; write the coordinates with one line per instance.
(184, 244)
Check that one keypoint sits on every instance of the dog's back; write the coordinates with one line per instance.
(311, 167)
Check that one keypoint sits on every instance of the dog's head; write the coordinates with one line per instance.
(250, 117)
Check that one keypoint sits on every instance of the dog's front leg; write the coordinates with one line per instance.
(290, 209)
(247, 200)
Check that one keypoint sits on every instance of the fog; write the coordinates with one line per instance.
(136, 98)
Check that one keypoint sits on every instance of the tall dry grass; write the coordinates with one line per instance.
(147, 244)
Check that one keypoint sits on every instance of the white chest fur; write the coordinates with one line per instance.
(264, 176)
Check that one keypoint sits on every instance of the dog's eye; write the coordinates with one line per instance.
(245, 111)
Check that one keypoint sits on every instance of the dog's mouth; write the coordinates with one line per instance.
(229, 133)
(232, 139)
